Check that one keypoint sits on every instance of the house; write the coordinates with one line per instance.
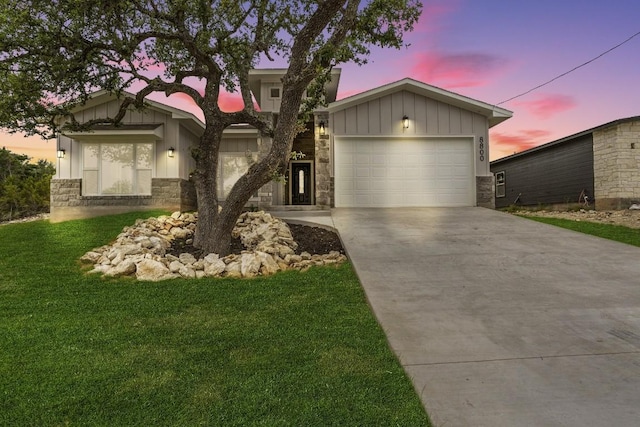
(597, 167)
(402, 144)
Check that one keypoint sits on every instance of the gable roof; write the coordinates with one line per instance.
(102, 96)
(494, 114)
(274, 75)
(569, 138)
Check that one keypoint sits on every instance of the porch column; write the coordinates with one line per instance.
(323, 160)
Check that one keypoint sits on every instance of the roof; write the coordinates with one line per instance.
(274, 75)
(566, 139)
(137, 132)
(494, 114)
(101, 96)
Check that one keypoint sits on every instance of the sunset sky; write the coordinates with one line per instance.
(493, 50)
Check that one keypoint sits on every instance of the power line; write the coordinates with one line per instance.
(571, 70)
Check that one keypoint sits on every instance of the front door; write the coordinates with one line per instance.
(301, 183)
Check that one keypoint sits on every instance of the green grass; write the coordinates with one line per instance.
(294, 349)
(618, 233)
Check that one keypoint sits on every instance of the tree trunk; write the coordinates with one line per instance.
(214, 226)
(213, 230)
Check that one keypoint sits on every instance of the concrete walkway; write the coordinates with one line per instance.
(502, 321)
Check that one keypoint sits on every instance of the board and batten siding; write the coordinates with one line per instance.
(427, 117)
(162, 169)
(188, 141)
(556, 174)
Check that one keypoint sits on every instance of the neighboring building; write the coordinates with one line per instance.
(598, 167)
(402, 144)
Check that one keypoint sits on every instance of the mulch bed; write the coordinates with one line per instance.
(314, 240)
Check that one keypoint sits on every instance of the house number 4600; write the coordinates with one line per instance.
(481, 148)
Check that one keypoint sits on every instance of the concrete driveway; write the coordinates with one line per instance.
(502, 321)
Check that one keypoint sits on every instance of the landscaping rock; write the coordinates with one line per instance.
(141, 250)
(151, 270)
(187, 258)
(125, 268)
(249, 265)
(627, 218)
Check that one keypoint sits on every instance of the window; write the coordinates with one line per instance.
(116, 169)
(274, 92)
(231, 167)
(500, 181)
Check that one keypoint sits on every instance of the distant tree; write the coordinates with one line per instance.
(24, 186)
(54, 53)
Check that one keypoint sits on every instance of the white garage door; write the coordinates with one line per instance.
(404, 172)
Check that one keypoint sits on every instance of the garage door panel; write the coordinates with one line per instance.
(347, 158)
(345, 172)
(379, 172)
(378, 159)
(413, 172)
(379, 185)
(395, 158)
(364, 148)
(404, 172)
(362, 173)
(395, 172)
(362, 185)
(362, 159)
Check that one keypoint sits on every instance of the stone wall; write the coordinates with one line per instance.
(616, 163)
(67, 201)
(485, 191)
(324, 192)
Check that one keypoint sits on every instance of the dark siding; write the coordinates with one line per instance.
(556, 174)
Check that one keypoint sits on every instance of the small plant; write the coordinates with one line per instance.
(282, 177)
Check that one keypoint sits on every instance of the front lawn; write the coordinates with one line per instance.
(618, 233)
(294, 349)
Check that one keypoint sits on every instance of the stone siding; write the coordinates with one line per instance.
(67, 201)
(616, 162)
(485, 191)
(324, 190)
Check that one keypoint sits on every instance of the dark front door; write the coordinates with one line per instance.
(301, 183)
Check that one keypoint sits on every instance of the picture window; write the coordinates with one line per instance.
(117, 169)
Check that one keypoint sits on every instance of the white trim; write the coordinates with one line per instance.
(468, 140)
(501, 184)
(96, 98)
(412, 136)
(271, 88)
(493, 113)
(99, 169)
(131, 135)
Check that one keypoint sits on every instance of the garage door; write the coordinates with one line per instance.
(404, 172)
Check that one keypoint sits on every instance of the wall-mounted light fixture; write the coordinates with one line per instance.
(405, 122)
(171, 151)
(61, 153)
(321, 127)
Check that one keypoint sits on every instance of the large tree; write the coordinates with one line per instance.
(54, 53)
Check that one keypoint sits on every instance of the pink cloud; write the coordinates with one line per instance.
(228, 102)
(342, 94)
(433, 15)
(504, 144)
(545, 106)
(455, 70)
